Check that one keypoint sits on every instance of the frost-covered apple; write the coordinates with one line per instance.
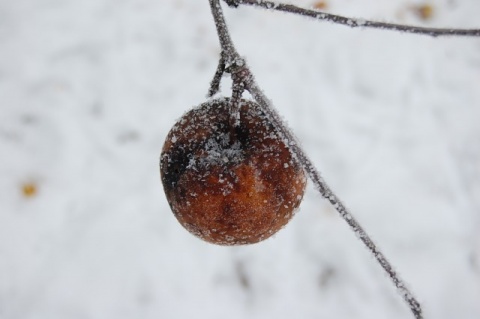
(230, 184)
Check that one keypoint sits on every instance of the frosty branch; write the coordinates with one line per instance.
(231, 62)
(355, 23)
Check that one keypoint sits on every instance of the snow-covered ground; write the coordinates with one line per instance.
(89, 90)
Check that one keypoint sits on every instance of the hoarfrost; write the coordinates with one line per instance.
(220, 152)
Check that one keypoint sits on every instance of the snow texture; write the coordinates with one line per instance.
(89, 90)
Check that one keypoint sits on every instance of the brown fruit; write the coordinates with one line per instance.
(229, 185)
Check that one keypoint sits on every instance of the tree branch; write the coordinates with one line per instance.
(228, 49)
(355, 23)
(243, 79)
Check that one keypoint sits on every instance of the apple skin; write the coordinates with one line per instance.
(230, 184)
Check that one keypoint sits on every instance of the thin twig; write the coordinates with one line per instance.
(226, 43)
(242, 73)
(356, 23)
(215, 84)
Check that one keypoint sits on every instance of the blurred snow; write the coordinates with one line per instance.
(89, 90)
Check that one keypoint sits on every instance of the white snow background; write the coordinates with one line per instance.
(89, 90)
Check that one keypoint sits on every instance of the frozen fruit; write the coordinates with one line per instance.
(230, 184)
